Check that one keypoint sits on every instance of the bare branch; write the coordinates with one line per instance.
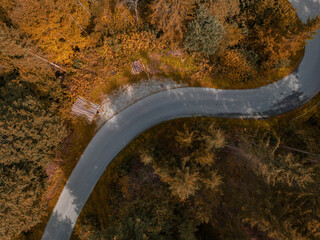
(133, 4)
(301, 151)
(77, 23)
(314, 107)
(43, 59)
(83, 7)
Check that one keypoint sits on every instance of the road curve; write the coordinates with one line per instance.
(282, 96)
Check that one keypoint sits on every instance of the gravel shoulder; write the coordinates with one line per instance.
(129, 94)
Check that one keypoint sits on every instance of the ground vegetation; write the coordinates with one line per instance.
(51, 52)
(216, 179)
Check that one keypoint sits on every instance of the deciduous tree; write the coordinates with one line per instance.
(22, 185)
(171, 16)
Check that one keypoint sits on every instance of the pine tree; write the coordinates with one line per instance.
(193, 168)
(204, 33)
(277, 169)
(185, 137)
(187, 229)
(286, 204)
(284, 213)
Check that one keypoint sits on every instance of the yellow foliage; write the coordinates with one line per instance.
(56, 26)
(121, 49)
(171, 16)
(118, 21)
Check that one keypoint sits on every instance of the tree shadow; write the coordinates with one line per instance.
(58, 228)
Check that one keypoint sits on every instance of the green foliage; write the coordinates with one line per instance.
(204, 33)
(185, 65)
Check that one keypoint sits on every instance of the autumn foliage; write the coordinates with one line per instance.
(51, 52)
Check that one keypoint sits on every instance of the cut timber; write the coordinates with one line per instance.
(137, 67)
(83, 107)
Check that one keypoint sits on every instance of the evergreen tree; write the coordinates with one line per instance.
(284, 213)
(204, 33)
(276, 168)
(287, 205)
(191, 169)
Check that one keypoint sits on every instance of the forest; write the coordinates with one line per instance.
(217, 179)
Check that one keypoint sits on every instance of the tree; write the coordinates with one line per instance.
(22, 185)
(143, 219)
(224, 9)
(275, 169)
(171, 16)
(213, 137)
(185, 137)
(275, 32)
(183, 184)
(286, 204)
(204, 33)
(115, 21)
(134, 4)
(30, 130)
(233, 64)
(18, 54)
(57, 27)
(191, 169)
(284, 213)
(187, 229)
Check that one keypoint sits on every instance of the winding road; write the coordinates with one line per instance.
(282, 96)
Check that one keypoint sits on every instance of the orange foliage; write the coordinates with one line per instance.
(117, 21)
(223, 9)
(171, 16)
(56, 26)
(235, 66)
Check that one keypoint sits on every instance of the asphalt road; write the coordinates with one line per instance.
(280, 97)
